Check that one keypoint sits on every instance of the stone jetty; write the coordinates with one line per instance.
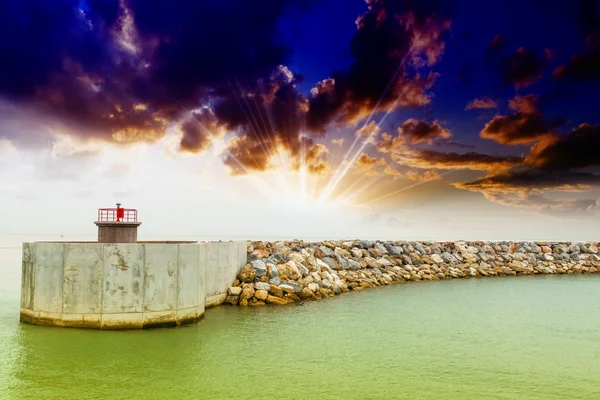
(289, 271)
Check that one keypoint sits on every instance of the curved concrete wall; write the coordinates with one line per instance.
(123, 286)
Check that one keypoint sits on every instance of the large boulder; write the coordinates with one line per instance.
(308, 294)
(394, 250)
(353, 264)
(290, 287)
(260, 267)
(356, 253)
(330, 262)
(276, 291)
(275, 281)
(272, 271)
(247, 274)
(261, 294)
(247, 293)
(289, 270)
(262, 286)
(343, 262)
(313, 286)
(277, 300)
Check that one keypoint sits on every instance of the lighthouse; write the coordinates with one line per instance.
(117, 225)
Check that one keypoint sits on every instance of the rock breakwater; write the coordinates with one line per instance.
(290, 271)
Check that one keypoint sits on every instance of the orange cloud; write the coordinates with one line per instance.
(422, 132)
(483, 103)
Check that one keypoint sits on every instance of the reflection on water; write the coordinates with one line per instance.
(509, 338)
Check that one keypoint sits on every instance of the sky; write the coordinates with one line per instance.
(310, 119)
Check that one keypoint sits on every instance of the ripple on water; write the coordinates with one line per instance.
(509, 338)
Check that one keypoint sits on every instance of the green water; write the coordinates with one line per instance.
(505, 338)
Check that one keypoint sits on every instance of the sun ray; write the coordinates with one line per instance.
(349, 198)
(405, 188)
(367, 141)
(335, 178)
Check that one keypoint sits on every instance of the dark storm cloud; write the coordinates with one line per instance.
(553, 163)
(428, 159)
(401, 151)
(417, 131)
(523, 67)
(585, 66)
(535, 179)
(581, 67)
(268, 117)
(576, 150)
(394, 41)
(453, 143)
(198, 130)
(124, 70)
(496, 46)
(526, 188)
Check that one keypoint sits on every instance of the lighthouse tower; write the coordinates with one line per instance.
(117, 225)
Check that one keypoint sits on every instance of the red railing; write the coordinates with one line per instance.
(117, 215)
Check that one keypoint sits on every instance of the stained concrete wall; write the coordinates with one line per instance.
(125, 285)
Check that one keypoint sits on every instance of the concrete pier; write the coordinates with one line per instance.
(125, 285)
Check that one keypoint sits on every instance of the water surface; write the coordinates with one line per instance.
(496, 338)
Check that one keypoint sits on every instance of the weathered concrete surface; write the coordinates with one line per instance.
(123, 278)
(48, 285)
(227, 259)
(27, 276)
(82, 279)
(202, 276)
(125, 285)
(212, 258)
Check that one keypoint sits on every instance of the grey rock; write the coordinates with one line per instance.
(354, 264)
(449, 258)
(330, 262)
(342, 261)
(326, 250)
(435, 249)
(381, 248)
(272, 269)
(364, 244)
(303, 270)
(275, 281)
(260, 267)
(574, 248)
(394, 250)
(290, 287)
(277, 258)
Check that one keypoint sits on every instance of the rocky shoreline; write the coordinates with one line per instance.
(286, 272)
